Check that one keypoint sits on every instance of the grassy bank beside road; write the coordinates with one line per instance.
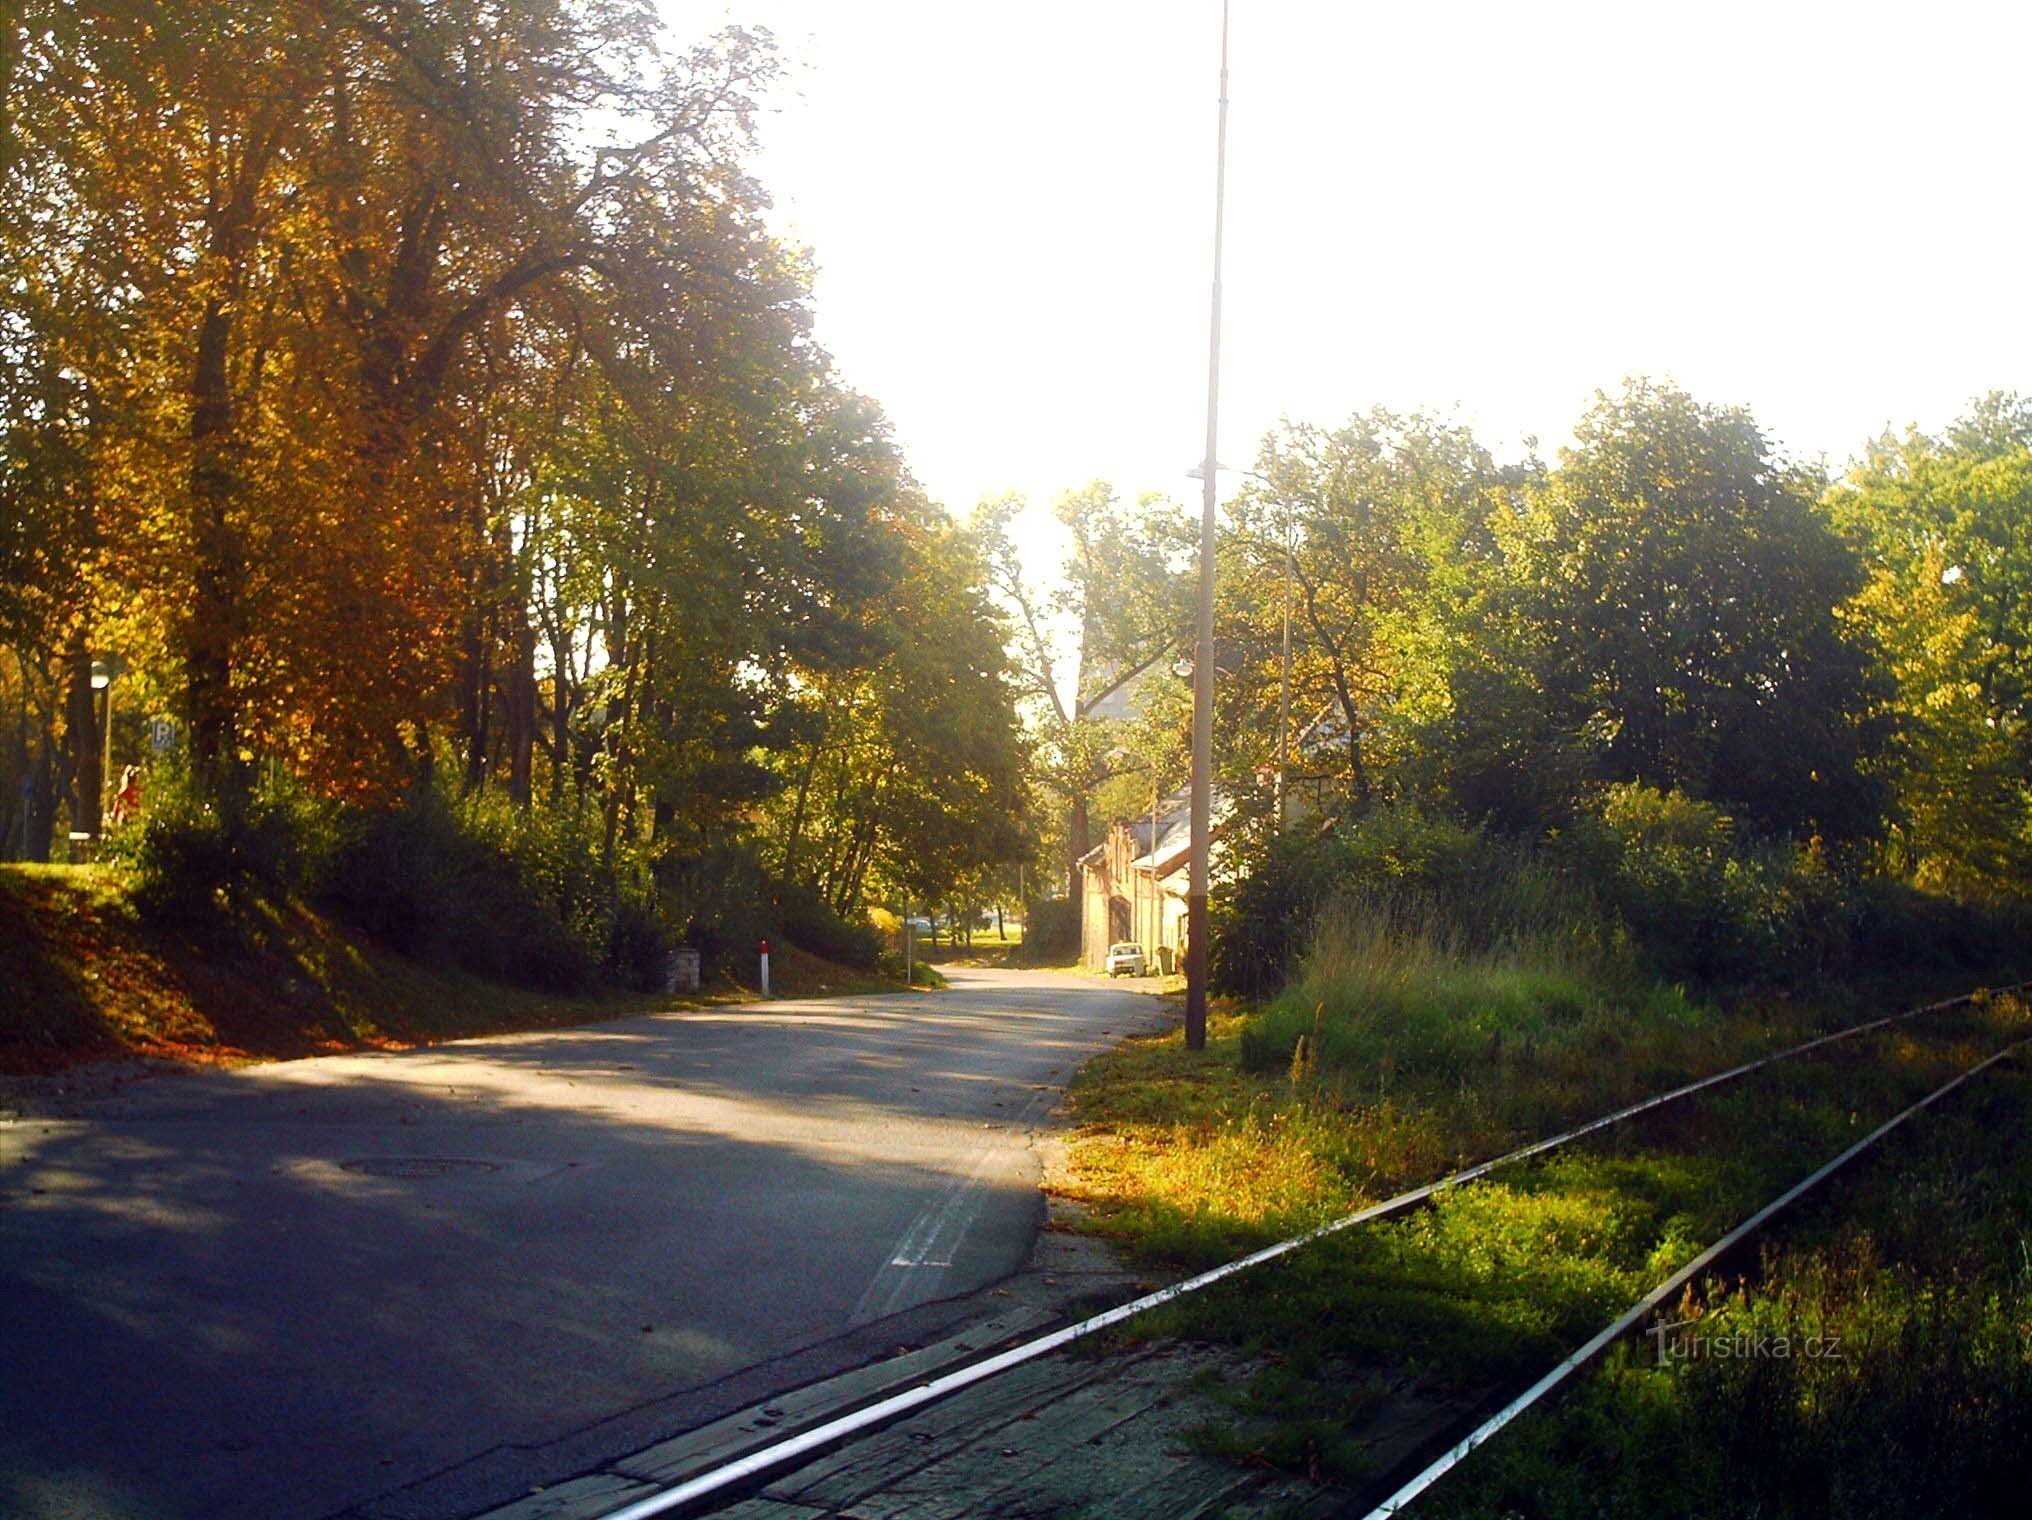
(1412, 1042)
(87, 977)
(1460, 997)
(1495, 1281)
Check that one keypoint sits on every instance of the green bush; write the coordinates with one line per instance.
(1708, 906)
(1262, 930)
(807, 920)
(191, 862)
(1654, 881)
(1900, 927)
(1415, 983)
(638, 945)
(725, 902)
(718, 902)
(184, 863)
(1704, 906)
(1051, 931)
(429, 883)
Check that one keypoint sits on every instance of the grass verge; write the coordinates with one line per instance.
(1497, 1281)
(1875, 1361)
(88, 978)
(1411, 1044)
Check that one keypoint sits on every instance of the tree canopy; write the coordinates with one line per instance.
(402, 386)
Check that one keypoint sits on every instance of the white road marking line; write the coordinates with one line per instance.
(927, 1248)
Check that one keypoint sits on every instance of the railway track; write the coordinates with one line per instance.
(740, 1473)
(1486, 1429)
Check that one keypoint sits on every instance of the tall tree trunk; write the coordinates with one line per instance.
(210, 629)
(518, 681)
(1079, 839)
(864, 846)
(620, 716)
(81, 724)
(211, 632)
(560, 709)
(518, 707)
(38, 823)
(468, 679)
(796, 838)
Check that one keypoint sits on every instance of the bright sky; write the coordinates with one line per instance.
(1817, 209)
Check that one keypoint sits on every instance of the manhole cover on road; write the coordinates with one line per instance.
(416, 1166)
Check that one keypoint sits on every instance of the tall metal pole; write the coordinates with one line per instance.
(1203, 653)
(1156, 890)
(107, 790)
(1284, 689)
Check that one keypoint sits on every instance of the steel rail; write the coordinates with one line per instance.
(1651, 1301)
(883, 1411)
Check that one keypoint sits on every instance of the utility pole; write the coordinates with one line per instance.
(1284, 687)
(1203, 653)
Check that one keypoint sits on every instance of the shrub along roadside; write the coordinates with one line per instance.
(530, 898)
(1671, 886)
(91, 979)
(1051, 932)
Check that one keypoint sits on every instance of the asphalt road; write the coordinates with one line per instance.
(303, 1289)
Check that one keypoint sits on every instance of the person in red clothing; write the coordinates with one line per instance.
(127, 801)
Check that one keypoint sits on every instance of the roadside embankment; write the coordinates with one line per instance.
(88, 978)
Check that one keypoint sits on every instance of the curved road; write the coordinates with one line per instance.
(298, 1290)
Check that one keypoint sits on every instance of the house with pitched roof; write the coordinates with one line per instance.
(1133, 885)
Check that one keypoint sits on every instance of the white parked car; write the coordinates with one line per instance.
(1125, 959)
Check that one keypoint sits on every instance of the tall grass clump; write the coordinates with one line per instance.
(1637, 881)
(1263, 928)
(1413, 985)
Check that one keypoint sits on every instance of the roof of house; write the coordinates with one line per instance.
(1172, 843)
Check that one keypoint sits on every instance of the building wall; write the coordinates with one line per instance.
(1109, 908)
(1094, 904)
(1171, 916)
(1119, 902)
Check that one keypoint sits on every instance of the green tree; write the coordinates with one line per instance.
(1342, 527)
(1677, 587)
(905, 780)
(1944, 527)
(1119, 607)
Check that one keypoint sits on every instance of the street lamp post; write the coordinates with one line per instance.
(1156, 892)
(102, 680)
(1203, 653)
